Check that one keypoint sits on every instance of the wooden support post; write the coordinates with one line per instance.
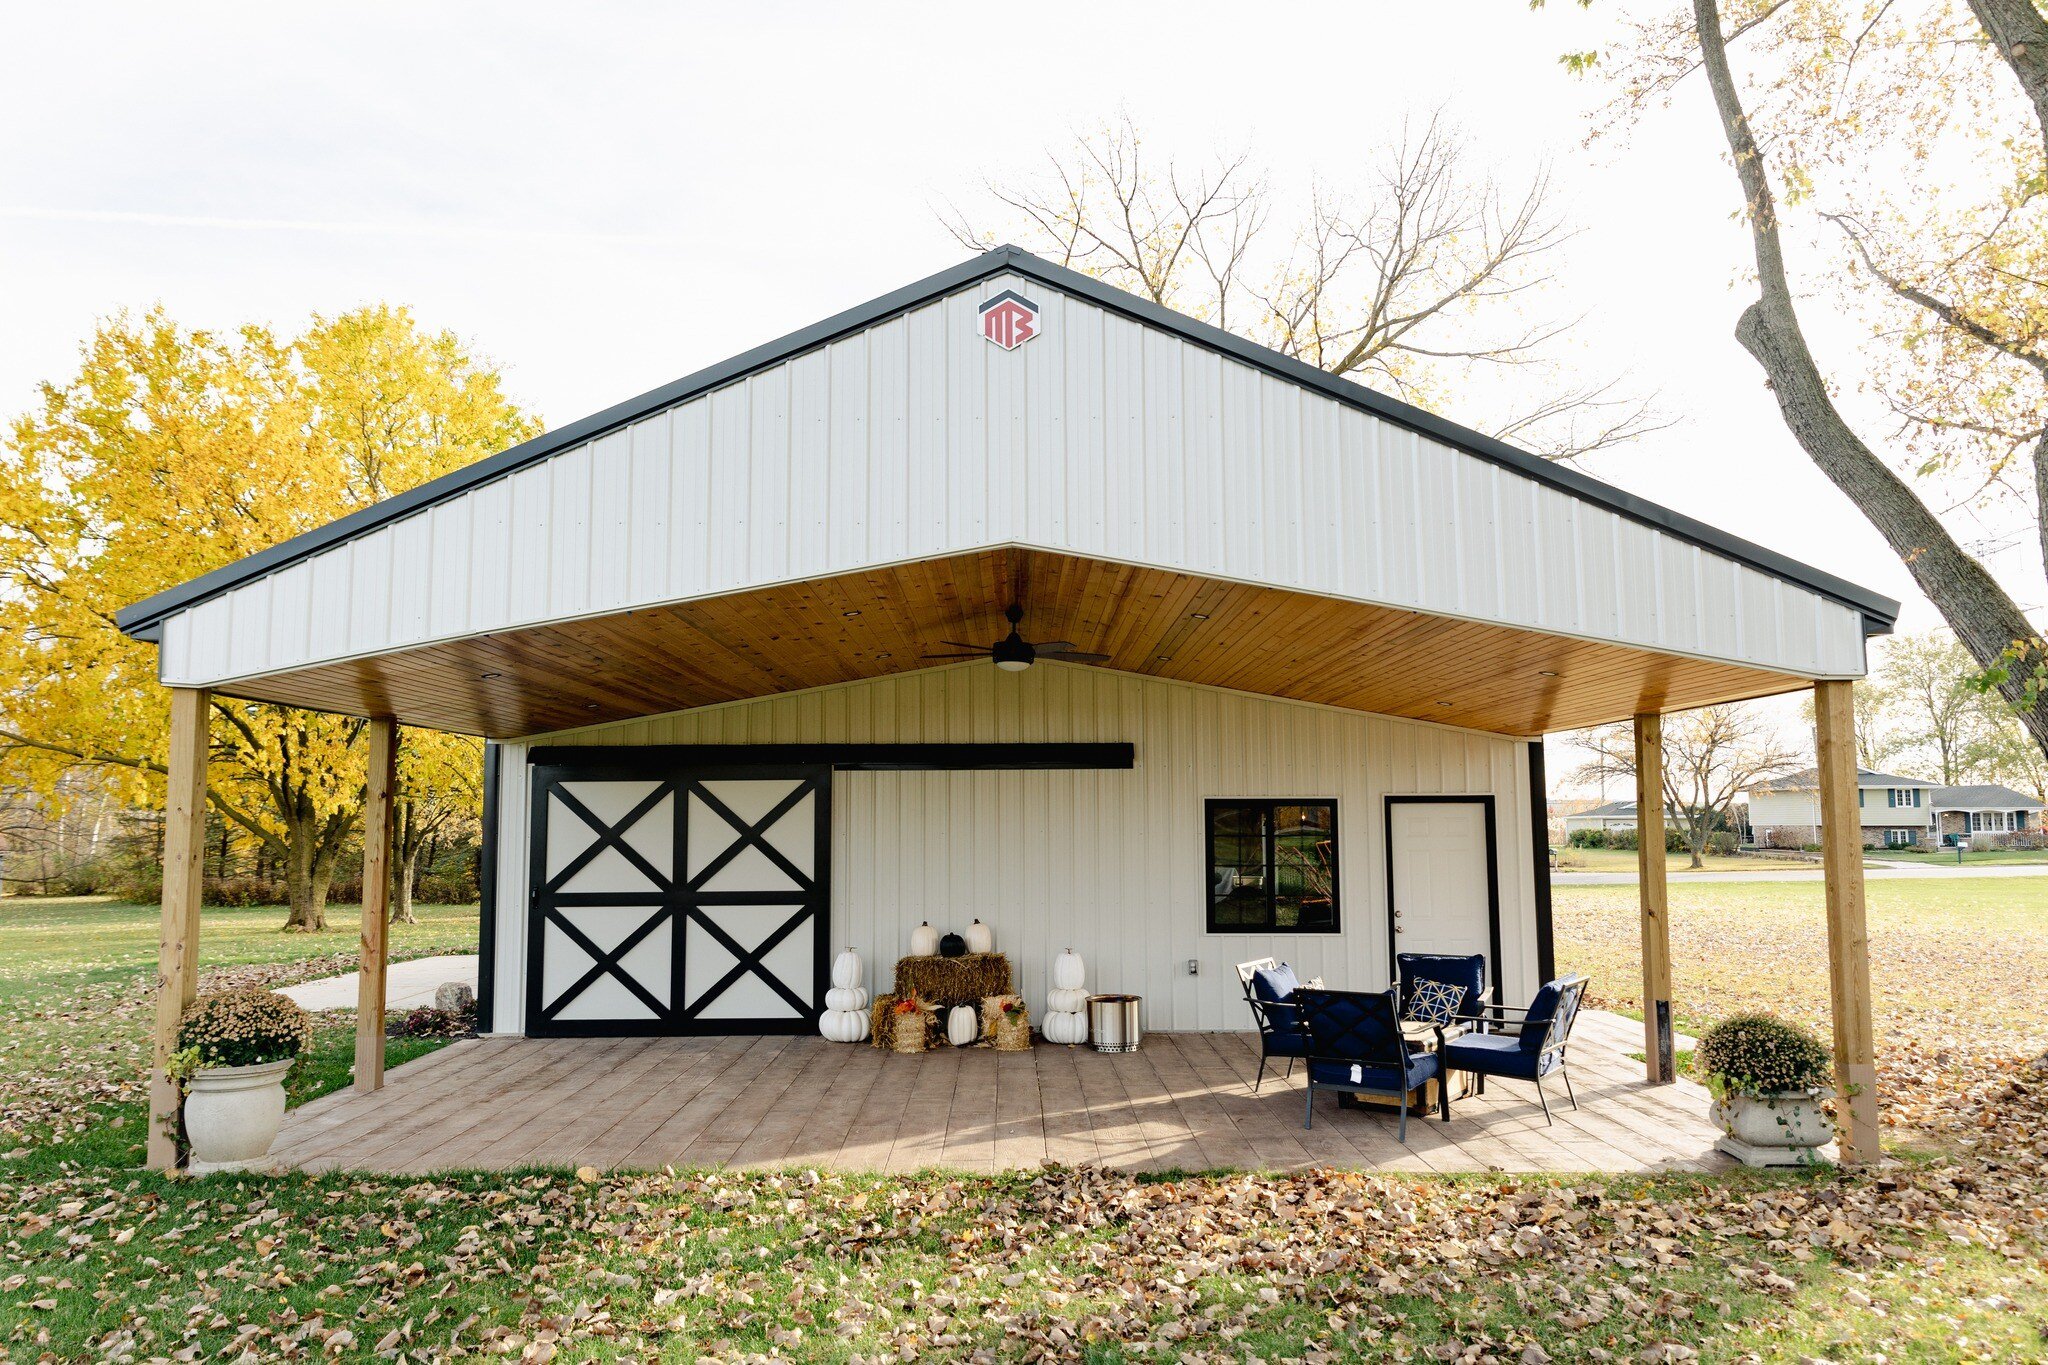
(376, 950)
(177, 973)
(1841, 842)
(1655, 899)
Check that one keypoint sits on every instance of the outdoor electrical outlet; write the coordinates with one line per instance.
(1194, 966)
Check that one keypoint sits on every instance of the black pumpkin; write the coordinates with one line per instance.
(952, 945)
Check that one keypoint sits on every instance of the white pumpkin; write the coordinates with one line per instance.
(849, 971)
(963, 1025)
(1068, 971)
(980, 938)
(844, 1026)
(847, 998)
(1065, 1002)
(924, 940)
(1068, 1028)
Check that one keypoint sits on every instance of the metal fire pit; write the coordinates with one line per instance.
(1113, 1023)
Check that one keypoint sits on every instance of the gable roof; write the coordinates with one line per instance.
(1879, 612)
(1615, 810)
(1982, 796)
(1808, 779)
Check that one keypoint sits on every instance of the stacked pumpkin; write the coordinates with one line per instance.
(846, 1004)
(1066, 1004)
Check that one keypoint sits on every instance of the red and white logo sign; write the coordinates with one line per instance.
(1009, 319)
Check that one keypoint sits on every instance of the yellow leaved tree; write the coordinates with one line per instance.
(172, 452)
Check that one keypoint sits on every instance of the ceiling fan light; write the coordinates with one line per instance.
(1013, 665)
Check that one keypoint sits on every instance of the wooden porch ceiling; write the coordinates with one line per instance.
(882, 621)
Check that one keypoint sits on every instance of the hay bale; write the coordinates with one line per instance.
(882, 1023)
(948, 981)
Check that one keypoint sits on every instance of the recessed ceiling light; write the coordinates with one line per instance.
(849, 615)
(1198, 616)
(1166, 658)
(1443, 703)
(488, 676)
(1546, 672)
(883, 655)
(590, 706)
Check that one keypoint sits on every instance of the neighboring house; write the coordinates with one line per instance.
(1982, 812)
(1610, 816)
(1897, 812)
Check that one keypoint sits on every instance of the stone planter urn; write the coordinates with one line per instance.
(1773, 1130)
(232, 1114)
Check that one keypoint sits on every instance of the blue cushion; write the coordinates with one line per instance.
(1275, 984)
(1285, 1042)
(1496, 1054)
(1465, 972)
(1536, 1025)
(1385, 1079)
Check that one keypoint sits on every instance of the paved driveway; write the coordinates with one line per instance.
(1799, 874)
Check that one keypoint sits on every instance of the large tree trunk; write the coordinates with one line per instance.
(407, 863)
(1983, 615)
(307, 891)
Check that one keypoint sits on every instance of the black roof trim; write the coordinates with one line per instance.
(1879, 612)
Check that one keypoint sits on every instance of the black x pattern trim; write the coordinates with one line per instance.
(749, 962)
(609, 963)
(750, 836)
(610, 836)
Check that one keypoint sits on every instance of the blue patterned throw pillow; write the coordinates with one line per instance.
(1435, 1002)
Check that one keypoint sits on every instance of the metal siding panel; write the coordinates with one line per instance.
(1599, 573)
(730, 442)
(611, 521)
(1520, 562)
(1434, 490)
(1105, 862)
(810, 462)
(412, 559)
(1008, 378)
(1165, 470)
(1636, 570)
(689, 520)
(1720, 607)
(248, 637)
(1477, 538)
(1559, 563)
(847, 513)
(369, 592)
(1356, 507)
(1202, 433)
(927, 444)
(768, 475)
(1243, 509)
(1087, 469)
(291, 614)
(445, 592)
(490, 555)
(531, 546)
(888, 441)
(1281, 474)
(966, 423)
(647, 511)
(1678, 589)
(1123, 346)
(1759, 615)
(568, 528)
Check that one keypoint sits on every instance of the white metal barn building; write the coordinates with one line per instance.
(700, 629)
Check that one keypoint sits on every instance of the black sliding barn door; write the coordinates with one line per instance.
(683, 901)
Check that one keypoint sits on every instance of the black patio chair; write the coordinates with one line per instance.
(1269, 989)
(1535, 1052)
(1355, 1043)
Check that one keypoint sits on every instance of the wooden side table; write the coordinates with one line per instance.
(1423, 1098)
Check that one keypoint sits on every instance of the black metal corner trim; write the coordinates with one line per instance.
(1539, 858)
(631, 760)
(139, 617)
(487, 894)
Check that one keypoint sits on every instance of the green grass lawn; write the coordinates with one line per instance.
(1676, 864)
(1940, 1258)
(1991, 856)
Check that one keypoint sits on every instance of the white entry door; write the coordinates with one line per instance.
(677, 902)
(1442, 877)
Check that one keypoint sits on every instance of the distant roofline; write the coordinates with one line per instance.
(140, 619)
(1808, 779)
(2012, 800)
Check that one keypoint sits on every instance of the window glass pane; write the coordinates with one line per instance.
(1304, 857)
(1237, 867)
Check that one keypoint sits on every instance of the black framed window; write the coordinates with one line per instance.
(1271, 866)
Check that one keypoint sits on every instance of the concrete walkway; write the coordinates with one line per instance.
(1800, 874)
(407, 985)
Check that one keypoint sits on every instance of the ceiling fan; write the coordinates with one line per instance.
(1013, 654)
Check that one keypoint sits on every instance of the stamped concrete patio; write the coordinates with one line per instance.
(1183, 1100)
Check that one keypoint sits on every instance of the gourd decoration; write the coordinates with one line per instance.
(924, 940)
(952, 945)
(845, 1019)
(843, 1026)
(963, 1025)
(1066, 1028)
(1068, 971)
(848, 970)
(1066, 1004)
(980, 938)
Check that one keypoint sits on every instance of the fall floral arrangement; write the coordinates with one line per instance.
(241, 1028)
(1760, 1055)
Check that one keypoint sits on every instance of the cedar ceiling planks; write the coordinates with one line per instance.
(786, 638)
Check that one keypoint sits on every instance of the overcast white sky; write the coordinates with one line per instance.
(604, 197)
